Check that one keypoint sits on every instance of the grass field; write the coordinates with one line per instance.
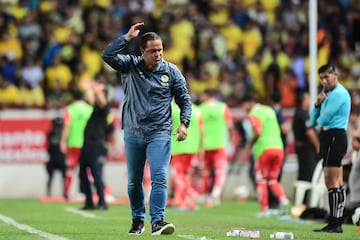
(29, 219)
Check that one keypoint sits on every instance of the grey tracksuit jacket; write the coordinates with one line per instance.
(148, 94)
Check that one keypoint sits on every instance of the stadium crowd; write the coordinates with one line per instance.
(49, 48)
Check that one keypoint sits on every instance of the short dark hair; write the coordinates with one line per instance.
(327, 68)
(77, 94)
(211, 92)
(100, 78)
(149, 36)
(300, 98)
(276, 97)
(249, 97)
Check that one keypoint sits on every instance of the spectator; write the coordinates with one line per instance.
(233, 35)
(226, 84)
(58, 71)
(57, 97)
(288, 89)
(252, 39)
(8, 68)
(32, 79)
(90, 55)
(10, 46)
(78, 30)
(30, 33)
(9, 94)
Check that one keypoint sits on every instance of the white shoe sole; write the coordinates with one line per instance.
(165, 230)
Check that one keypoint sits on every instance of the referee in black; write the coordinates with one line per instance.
(331, 112)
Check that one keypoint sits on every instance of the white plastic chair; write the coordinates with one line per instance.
(300, 189)
(318, 190)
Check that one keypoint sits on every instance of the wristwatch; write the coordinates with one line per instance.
(186, 123)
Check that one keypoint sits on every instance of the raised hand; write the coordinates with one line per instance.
(134, 31)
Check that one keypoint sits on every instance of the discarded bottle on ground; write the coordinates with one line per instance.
(243, 233)
(282, 235)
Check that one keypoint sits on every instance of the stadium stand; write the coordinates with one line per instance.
(48, 48)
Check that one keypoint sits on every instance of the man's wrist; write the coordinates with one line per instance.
(127, 37)
(186, 123)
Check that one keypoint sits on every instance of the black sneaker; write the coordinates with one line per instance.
(161, 227)
(102, 207)
(328, 229)
(137, 227)
(87, 207)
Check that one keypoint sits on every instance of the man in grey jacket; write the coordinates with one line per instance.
(150, 83)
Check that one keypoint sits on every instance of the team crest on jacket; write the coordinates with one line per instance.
(165, 80)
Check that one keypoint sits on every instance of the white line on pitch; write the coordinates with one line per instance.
(29, 229)
(81, 212)
(192, 237)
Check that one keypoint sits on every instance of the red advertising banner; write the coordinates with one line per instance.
(24, 140)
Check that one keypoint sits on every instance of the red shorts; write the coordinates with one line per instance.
(215, 159)
(182, 162)
(73, 157)
(268, 165)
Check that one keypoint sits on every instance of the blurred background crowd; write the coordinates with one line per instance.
(50, 48)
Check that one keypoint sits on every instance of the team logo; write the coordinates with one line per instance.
(164, 80)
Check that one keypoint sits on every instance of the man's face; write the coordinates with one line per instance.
(153, 53)
(328, 80)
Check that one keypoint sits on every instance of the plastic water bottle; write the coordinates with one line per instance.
(243, 233)
(282, 235)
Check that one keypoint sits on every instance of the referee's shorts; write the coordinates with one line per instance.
(333, 146)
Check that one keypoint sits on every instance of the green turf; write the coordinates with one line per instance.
(60, 220)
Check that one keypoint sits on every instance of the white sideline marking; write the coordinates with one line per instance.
(192, 237)
(29, 229)
(80, 212)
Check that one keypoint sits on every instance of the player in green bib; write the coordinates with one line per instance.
(268, 151)
(218, 130)
(76, 116)
(184, 155)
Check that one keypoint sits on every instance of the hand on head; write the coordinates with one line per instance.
(134, 31)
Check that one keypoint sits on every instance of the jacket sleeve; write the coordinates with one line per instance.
(114, 54)
(181, 95)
